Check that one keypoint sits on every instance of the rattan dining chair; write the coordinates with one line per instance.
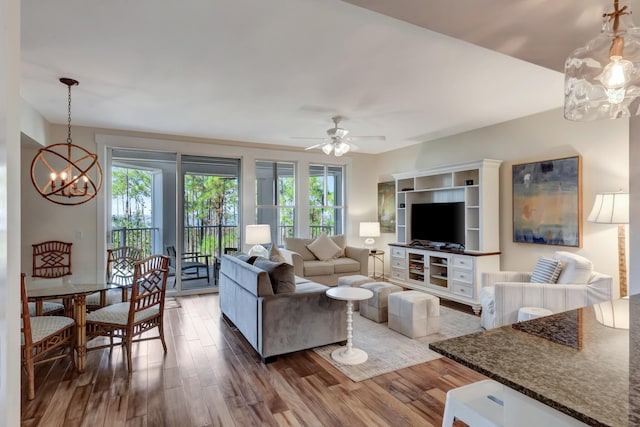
(143, 312)
(120, 266)
(51, 259)
(42, 338)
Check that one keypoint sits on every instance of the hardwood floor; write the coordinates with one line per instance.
(212, 377)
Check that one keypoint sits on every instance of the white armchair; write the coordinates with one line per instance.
(504, 293)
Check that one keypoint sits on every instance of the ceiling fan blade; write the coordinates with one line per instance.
(370, 138)
(315, 146)
(310, 138)
(353, 146)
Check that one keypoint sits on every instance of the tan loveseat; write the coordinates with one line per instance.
(350, 260)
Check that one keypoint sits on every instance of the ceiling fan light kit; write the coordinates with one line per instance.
(602, 79)
(338, 142)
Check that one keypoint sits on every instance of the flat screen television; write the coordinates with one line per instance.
(438, 223)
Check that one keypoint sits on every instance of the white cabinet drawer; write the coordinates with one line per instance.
(463, 276)
(461, 288)
(463, 262)
(398, 263)
(397, 252)
(398, 274)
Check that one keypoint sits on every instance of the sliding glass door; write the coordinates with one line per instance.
(210, 217)
(193, 220)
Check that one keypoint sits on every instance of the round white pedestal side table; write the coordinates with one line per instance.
(528, 313)
(349, 355)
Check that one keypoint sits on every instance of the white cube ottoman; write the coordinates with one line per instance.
(375, 308)
(355, 281)
(414, 313)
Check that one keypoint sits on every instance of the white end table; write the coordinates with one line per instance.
(349, 355)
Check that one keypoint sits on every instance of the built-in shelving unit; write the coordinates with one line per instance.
(474, 183)
(453, 275)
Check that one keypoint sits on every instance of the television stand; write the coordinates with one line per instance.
(451, 273)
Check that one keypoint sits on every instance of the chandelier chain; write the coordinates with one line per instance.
(69, 116)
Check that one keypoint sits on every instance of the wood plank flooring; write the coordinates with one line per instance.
(212, 377)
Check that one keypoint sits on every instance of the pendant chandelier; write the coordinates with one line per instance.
(65, 173)
(602, 79)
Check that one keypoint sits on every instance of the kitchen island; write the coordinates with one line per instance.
(576, 363)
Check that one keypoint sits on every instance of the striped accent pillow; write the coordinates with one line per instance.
(547, 270)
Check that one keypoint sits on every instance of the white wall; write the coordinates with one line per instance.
(603, 146)
(9, 213)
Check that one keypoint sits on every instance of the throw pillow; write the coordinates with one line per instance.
(341, 241)
(281, 274)
(324, 248)
(576, 269)
(275, 254)
(547, 270)
(246, 258)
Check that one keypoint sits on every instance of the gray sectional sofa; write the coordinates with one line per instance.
(289, 319)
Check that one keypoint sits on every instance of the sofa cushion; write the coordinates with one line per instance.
(317, 268)
(324, 248)
(345, 265)
(299, 245)
(576, 269)
(275, 255)
(281, 274)
(546, 270)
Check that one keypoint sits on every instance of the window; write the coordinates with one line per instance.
(275, 198)
(326, 200)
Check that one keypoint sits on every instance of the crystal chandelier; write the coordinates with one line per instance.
(602, 79)
(65, 173)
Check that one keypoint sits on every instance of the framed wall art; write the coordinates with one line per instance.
(547, 202)
(387, 206)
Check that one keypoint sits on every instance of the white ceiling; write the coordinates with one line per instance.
(266, 70)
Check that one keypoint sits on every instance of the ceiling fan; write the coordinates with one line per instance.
(337, 140)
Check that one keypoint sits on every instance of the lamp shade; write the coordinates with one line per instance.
(369, 229)
(610, 208)
(258, 234)
(614, 314)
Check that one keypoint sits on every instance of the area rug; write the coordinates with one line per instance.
(389, 350)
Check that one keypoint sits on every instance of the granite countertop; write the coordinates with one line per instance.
(569, 361)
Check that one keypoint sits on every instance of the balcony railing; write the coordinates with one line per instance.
(211, 239)
(141, 238)
(206, 239)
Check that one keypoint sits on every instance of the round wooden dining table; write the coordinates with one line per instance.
(74, 296)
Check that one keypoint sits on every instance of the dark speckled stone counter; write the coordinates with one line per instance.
(569, 361)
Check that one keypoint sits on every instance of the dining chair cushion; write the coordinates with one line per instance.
(47, 307)
(119, 314)
(43, 326)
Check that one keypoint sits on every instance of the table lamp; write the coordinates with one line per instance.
(369, 230)
(613, 208)
(258, 235)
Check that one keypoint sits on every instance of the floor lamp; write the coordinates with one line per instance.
(613, 208)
